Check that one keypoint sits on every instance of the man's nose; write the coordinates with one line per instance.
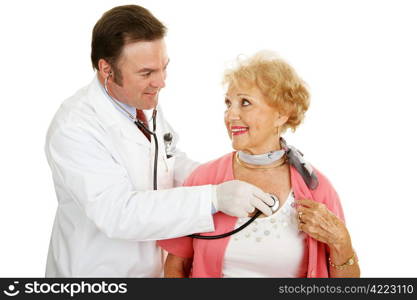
(159, 81)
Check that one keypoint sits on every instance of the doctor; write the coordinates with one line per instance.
(108, 215)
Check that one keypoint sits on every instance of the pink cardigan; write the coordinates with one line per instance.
(208, 255)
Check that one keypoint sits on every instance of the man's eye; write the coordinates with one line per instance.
(147, 74)
(245, 102)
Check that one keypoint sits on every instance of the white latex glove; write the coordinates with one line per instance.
(238, 199)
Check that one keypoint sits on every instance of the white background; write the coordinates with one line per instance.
(358, 57)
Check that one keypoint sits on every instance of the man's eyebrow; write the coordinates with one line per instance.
(143, 70)
(146, 70)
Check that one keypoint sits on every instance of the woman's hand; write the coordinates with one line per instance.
(320, 223)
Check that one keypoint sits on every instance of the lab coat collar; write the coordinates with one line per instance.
(110, 117)
(130, 109)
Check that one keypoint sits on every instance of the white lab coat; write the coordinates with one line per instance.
(108, 218)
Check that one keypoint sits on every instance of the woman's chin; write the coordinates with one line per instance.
(237, 146)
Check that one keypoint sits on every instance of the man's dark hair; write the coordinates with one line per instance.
(118, 27)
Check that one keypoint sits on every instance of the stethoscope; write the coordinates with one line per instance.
(274, 207)
(140, 125)
(167, 138)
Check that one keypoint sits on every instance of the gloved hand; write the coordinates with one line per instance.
(238, 199)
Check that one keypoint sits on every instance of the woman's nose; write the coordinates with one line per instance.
(232, 114)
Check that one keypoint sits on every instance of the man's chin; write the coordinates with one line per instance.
(149, 101)
(149, 106)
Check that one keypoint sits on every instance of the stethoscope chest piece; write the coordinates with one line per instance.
(274, 206)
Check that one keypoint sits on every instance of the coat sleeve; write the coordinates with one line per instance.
(183, 246)
(84, 171)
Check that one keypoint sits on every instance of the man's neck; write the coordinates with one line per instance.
(120, 106)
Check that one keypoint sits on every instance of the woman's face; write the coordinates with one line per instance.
(250, 121)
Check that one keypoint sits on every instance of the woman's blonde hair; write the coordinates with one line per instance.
(277, 81)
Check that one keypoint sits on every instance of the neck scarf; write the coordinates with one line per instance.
(295, 158)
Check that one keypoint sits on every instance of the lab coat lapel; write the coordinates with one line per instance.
(111, 117)
(135, 150)
(132, 147)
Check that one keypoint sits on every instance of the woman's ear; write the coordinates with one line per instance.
(281, 120)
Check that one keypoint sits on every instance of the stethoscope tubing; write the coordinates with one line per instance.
(220, 236)
(139, 124)
(274, 208)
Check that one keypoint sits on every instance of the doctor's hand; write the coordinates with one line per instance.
(238, 199)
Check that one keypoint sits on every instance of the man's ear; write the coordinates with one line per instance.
(104, 68)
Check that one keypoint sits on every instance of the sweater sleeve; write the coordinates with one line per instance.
(326, 194)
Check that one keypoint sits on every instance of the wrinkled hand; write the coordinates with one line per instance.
(320, 223)
(239, 199)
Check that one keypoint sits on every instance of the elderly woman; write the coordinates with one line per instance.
(307, 236)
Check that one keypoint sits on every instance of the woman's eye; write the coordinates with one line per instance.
(245, 102)
(227, 102)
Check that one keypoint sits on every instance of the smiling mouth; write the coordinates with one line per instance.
(239, 130)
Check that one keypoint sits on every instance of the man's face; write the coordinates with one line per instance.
(142, 66)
